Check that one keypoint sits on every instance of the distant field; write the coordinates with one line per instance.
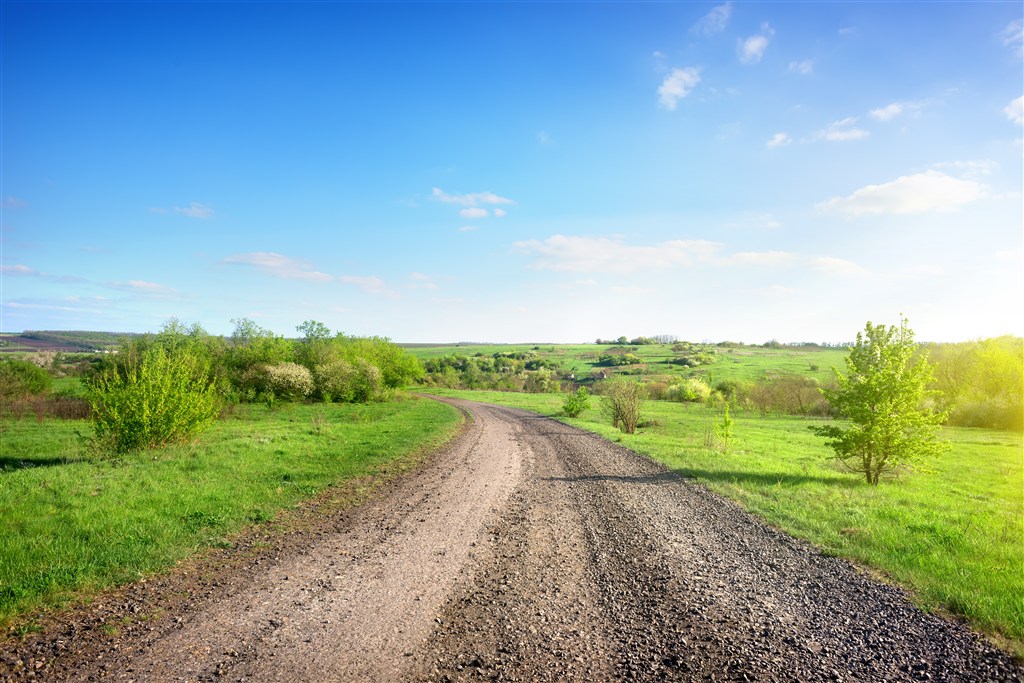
(748, 363)
(954, 536)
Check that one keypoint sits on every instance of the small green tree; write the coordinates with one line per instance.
(575, 403)
(623, 401)
(724, 429)
(883, 394)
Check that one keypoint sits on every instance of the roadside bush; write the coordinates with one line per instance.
(622, 402)
(691, 390)
(19, 378)
(289, 380)
(160, 398)
(575, 403)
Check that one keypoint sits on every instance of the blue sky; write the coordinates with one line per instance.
(514, 171)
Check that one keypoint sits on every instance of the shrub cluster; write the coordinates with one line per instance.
(502, 371)
(168, 386)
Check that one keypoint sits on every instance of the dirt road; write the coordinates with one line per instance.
(532, 551)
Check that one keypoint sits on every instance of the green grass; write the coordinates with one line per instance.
(70, 525)
(954, 536)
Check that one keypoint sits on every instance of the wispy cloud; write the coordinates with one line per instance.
(421, 281)
(500, 213)
(714, 21)
(469, 199)
(473, 212)
(21, 270)
(772, 259)
(195, 210)
(911, 194)
(368, 283)
(144, 288)
(677, 84)
(18, 270)
(603, 255)
(543, 138)
(779, 140)
(1015, 111)
(778, 291)
(278, 265)
(11, 202)
(896, 109)
(836, 266)
(751, 49)
(804, 68)
(843, 130)
(1013, 37)
(468, 228)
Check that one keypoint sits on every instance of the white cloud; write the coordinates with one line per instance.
(918, 193)
(370, 284)
(804, 68)
(888, 112)
(152, 288)
(499, 213)
(11, 202)
(836, 266)
(631, 289)
(970, 169)
(1014, 256)
(779, 140)
(25, 271)
(278, 265)
(473, 212)
(603, 255)
(1015, 111)
(778, 291)
(914, 272)
(714, 21)
(470, 199)
(18, 270)
(421, 281)
(891, 111)
(468, 228)
(677, 84)
(195, 210)
(759, 258)
(842, 131)
(1013, 37)
(752, 49)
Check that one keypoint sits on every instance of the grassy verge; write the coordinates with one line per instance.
(953, 536)
(70, 525)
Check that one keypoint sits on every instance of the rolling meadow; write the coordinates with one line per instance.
(79, 515)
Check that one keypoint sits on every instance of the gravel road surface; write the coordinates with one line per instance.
(528, 550)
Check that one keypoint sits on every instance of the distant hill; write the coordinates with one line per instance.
(65, 341)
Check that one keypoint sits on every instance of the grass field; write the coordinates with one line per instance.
(748, 363)
(953, 536)
(71, 525)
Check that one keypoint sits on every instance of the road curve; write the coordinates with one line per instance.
(533, 551)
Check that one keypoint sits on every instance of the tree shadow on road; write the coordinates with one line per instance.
(728, 476)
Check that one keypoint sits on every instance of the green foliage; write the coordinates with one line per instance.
(623, 402)
(156, 398)
(575, 404)
(20, 378)
(288, 381)
(692, 390)
(613, 359)
(882, 394)
(723, 429)
(982, 382)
